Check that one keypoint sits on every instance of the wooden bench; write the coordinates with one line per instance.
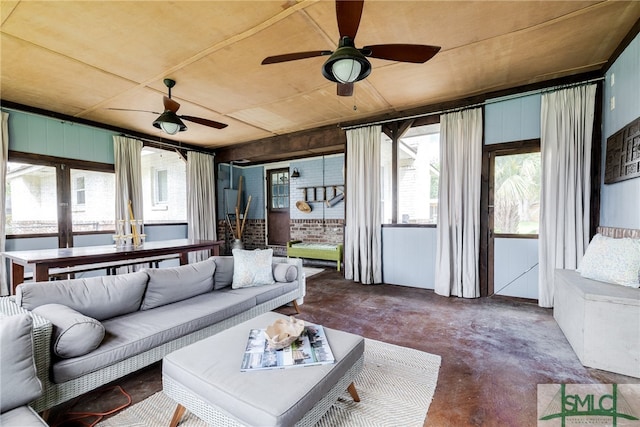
(323, 251)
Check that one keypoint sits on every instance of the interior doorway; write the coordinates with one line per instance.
(278, 206)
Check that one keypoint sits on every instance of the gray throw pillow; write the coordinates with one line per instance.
(167, 285)
(224, 272)
(285, 272)
(19, 383)
(74, 334)
(102, 297)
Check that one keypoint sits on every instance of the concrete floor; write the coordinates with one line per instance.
(494, 351)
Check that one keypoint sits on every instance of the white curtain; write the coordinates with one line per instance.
(201, 201)
(565, 144)
(458, 248)
(363, 230)
(128, 167)
(4, 147)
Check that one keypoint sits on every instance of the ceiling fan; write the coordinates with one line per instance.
(169, 121)
(348, 64)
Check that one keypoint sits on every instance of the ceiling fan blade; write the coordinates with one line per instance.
(416, 53)
(205, 122)
(138, 111)
(348, 13)
(294, 56)
(345, 89)
(170, 104)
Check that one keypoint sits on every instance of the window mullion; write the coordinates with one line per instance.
(63, 188)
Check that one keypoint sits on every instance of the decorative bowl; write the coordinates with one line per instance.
(283, 332)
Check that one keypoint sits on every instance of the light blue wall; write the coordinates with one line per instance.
(253, 186)
(508, 120)
(620, 202)
(36, 134)
(317, 171)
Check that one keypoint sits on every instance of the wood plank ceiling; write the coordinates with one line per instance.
(81, 58)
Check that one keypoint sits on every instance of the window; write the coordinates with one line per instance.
(516, 193)
(417, 176)
(161, 195)
(79, 190)
(164, 186)
(93, 206)
(31, 204)
(50, 195)
(280, 189)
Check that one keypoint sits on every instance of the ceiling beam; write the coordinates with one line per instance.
(325, 140)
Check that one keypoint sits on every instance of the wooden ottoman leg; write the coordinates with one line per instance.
(177, 415)
(353, 392)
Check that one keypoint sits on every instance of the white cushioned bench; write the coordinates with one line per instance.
(601, 320)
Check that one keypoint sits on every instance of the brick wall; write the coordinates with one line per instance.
(317, 230)
(307, 230)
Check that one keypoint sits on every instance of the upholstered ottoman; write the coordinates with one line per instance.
(205, 378)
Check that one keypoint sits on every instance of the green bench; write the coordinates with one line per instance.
(323, 251)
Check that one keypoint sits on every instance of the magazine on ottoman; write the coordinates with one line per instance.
(310, 349)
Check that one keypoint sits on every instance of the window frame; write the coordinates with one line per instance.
(64, 192)
(395, 131)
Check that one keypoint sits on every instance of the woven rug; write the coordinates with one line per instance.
(395, 388)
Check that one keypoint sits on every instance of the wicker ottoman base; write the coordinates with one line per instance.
(205, 378)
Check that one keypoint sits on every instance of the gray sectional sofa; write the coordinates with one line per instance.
(89, 332)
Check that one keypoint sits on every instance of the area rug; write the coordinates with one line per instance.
(395, 388)
(311, 271)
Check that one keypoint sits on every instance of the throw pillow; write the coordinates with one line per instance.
(17, 365)
(612, 260)
(223, 276)
(252, 268)
(74, 334)
(283, 272)
(167, 285)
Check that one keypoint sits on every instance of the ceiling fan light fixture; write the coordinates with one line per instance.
(347, 64)
(346, 70)
(169, 123)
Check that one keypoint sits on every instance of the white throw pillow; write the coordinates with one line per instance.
(612, 260)
(252, 268)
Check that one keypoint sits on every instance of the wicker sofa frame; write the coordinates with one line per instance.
(54, 394)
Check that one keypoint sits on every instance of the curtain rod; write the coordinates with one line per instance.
(479, 104)
(168, 145)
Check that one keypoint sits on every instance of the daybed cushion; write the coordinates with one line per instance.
(167, 285)
(19, 383)
(74, 334)
(285, 272)
(101, 297)
(144, 330)
(252, 268)
(612, 260)
(223, 276)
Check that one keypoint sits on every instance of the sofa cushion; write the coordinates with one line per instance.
(143, 330)
(223, 276)
(284, 272)
(19, 384)
(101, 297)
(612, 260)
(74, 334)
(252, 268)
(167, 285)
(22, 416)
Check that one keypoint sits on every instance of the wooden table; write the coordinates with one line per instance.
(42, 260)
